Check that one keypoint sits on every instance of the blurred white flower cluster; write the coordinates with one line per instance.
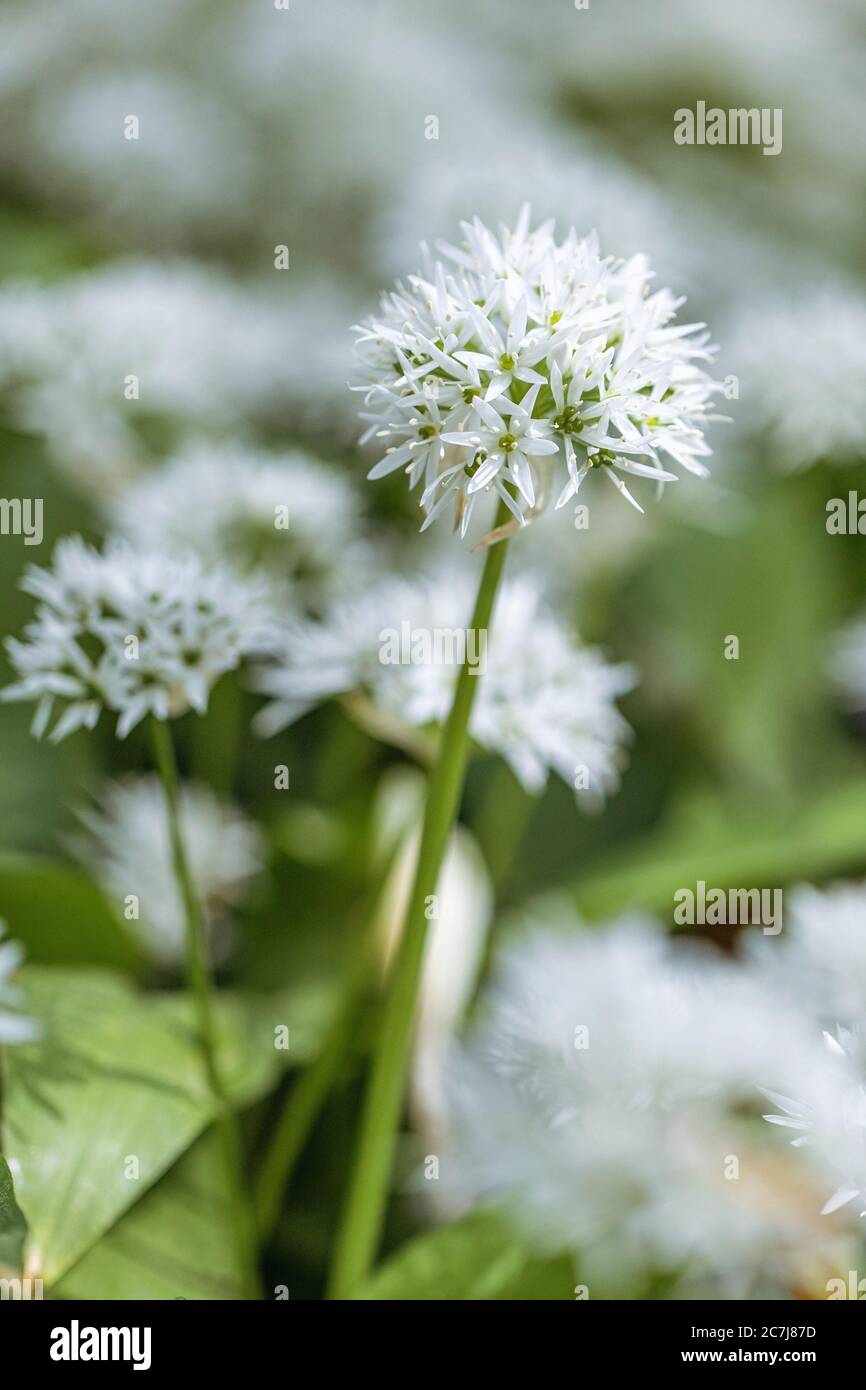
(545, 76)
(202, 167)
(700, 48)
(609, 1100)
(544, 702)
(131, 633)
(255, 511)
(126, 844)
(524, 353)
(91, 362)
(802, 366)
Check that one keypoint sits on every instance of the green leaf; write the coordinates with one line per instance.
(13, 1227)
(117, 1076)
(60, 916)
(543, 1281)
(479, 1258)
(826, 836)
(474, 1259)
(176, 1242)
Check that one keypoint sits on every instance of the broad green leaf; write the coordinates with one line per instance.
(13, 1227)
(177, 1242)
(114, 1087)
(473, 1259)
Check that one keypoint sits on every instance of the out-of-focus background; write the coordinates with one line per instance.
(159, 161)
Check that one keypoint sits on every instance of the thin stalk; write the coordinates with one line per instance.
(364, 1210)
(201, 990)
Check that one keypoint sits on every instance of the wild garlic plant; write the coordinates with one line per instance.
(145, 635)
(508, 372)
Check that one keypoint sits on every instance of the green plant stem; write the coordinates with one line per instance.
(366, 1200)
(201, 991)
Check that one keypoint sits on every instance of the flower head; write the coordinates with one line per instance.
(134, 633)
(544, 703)
(14, 1026)
(521, 364)
(127, 846)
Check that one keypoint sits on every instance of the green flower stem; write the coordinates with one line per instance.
(364, 1210)
(201, 989)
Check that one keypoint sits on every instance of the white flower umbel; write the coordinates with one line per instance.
(518, 364)
(601, 1101)
(15, 1027)
(132, 633)
(801, 362)
(544, 703)
(252, 510)
(127, 846)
